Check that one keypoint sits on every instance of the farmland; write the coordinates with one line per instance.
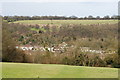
(25, 70)
(67, 22)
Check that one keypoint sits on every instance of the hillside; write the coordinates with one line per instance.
(71, 44)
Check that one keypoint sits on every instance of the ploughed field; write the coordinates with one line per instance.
(27, 70)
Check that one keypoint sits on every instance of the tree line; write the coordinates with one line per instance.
(90, 17)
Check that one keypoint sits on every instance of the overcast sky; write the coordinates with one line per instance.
(59, 0)
(79, 8)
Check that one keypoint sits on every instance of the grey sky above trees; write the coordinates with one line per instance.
(79, 9)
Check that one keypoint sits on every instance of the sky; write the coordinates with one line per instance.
(79, 8)
(59, 0)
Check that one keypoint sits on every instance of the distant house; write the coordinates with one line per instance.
(60, 48)
(87, 49)
(51, 49)
(42, 49)
(25, 47)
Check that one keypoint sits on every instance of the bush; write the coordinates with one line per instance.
(113, 60)
(9, 52)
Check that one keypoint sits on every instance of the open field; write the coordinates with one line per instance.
(65, 22)
(25, 70)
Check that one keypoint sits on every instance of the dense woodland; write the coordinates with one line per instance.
(96, 36)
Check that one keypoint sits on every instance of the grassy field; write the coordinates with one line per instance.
(34, 29)
(25, 70)
(65, 22)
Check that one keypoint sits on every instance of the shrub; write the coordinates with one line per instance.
(9, 52)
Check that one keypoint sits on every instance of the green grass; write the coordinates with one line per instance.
(34, 29)
(63, 22)
(25, 70)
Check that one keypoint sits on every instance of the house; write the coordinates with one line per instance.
(60, 48)
(25, 47)
(49, 49)
(42, 49)
(87, 49)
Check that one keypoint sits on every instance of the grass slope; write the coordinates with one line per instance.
(25, 70)
(62, 22)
